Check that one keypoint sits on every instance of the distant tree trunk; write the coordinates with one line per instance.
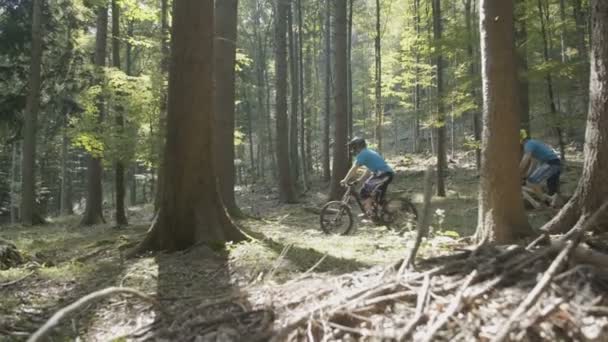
(119, 175)
(286, 187)
(417, 90)
(28, 169)
(303, 111)
(592, 187)
(164, 70)
(340, 156)
(325, 145)
(349, 93)
(549, 80)
(65, 205)
(295, 92)
(521, 41)
(441, 150)
(133, 188)
(93, 213)
(583, 54)
(191, 208)
(472, 73)
(225, 57)
(501, 212)
(15, 161)
(378, 80)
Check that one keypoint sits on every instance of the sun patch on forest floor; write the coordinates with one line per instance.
(65, 262)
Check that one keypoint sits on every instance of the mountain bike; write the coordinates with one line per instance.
(397, 213)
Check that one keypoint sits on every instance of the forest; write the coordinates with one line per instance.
(303, 170)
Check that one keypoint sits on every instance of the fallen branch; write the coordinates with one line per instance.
(423, 297)
(15, 281)
(305, 274)
(45, 329)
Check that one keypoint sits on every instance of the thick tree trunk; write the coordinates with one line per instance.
(472, 72)
(501, 212)
(349, 76)
(191, 208)
(295, 92)
(164, 70)
(521, 41)
(325, 146)
(119, 175)
(441, 150)
(303, 111)
(93, 213)
(592, 187)
(378, 80)
(28, 168)
(286, 187)
(340, 155)
(225, 56)
(550, 90)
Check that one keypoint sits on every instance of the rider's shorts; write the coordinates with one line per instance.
(549, 172)
(377, 182)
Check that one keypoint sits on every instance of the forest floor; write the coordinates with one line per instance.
(64, 262)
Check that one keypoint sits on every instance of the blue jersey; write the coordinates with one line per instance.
(539, 151)
(373, 161)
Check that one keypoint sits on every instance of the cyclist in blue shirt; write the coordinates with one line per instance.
(381, 173)
(548, 169)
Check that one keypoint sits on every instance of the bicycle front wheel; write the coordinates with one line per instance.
(336, 218)
(400, 214)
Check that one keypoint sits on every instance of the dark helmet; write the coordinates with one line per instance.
(356, 144)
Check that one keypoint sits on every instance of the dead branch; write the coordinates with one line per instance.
(535, 293)
(423, 221)
(45, 329)
(423, 297)
(16, 281)
(454, 307)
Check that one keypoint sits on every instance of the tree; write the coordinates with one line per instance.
(340, 160)
(472, 73)
(93, 213)
(325, 158)
(191, 210)
(521, 40)
(119, 175)
(28, 180)
(378, 78)
(592, 187)
(441, 150)
(162, 118)
(225, 56)
(501, 212)
(286, 187)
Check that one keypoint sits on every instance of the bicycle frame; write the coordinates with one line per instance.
(350, 192)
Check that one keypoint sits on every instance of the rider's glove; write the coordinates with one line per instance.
(343, 182)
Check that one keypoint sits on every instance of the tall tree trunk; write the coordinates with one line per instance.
(549, 80)
(191, 208)
(378, 80)
(28, 169)
(325, 145)
(93, 213)
(303, 111)
(164, 70)
(119, 175)
(340, 156)
(225, 57)
(521, 41)
(349, 75)
(472, 73)
(501, 212)
(579, 18)
(65, 205)
(441, 150)
(295, 92)
(286, 187)
(592, 187)
(417, 89)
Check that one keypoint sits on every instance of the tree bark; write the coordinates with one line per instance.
(65, 205)
(378, 79)
(325, 146)
(295, 93)
(303, 111)
(28, 169)
(472, 72)
(93, 213)
(15, 181)
(349, 93)
(441, 150)
(191, 208)
(501, 212)
(521, 41)
(286, 187)
(592, 187)
(417, 89)
(340, 155)
(119, 175)
(225, 57)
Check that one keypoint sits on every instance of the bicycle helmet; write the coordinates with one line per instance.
(356, 144)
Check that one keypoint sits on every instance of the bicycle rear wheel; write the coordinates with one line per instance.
(400, 214)
(336, 218)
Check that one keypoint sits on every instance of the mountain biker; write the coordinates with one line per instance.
(548, 169)
(381, 173)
